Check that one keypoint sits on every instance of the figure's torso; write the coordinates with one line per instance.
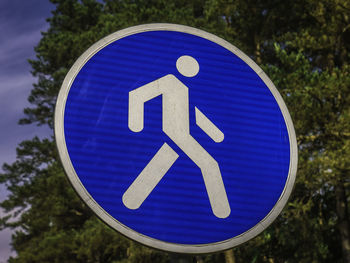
(175, 106)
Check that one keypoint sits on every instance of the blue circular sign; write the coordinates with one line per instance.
(176, 139)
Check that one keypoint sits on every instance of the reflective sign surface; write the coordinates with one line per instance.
(176, 139)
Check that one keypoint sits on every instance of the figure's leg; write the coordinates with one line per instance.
(149, 177)
(211, 175)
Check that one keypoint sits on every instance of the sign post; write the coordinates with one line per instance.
(176, 139)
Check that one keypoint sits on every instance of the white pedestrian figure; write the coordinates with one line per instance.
(175, 107)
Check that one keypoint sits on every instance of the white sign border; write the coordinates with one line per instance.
(107, 218)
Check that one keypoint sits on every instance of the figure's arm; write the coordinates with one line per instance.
(137, 98)
(208, 127)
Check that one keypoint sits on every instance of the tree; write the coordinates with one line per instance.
(52, 224)
(306, 55)
(315, 64)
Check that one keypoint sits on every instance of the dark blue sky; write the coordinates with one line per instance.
(20, 25)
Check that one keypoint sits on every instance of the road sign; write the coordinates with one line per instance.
(175, 138)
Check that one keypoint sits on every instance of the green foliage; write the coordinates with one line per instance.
(302, 45)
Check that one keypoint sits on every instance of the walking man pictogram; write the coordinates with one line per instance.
(175, 124)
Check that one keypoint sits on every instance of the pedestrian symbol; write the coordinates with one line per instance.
(175, 138)
(176, 125)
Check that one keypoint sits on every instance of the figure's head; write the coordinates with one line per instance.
(187, 66)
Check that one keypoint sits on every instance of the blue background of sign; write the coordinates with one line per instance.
(253, 158)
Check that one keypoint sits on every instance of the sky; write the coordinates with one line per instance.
(21, 24)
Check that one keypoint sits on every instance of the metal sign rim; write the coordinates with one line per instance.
(115, 224)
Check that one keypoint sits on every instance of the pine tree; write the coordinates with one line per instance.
(302, 45)
(314, 63)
